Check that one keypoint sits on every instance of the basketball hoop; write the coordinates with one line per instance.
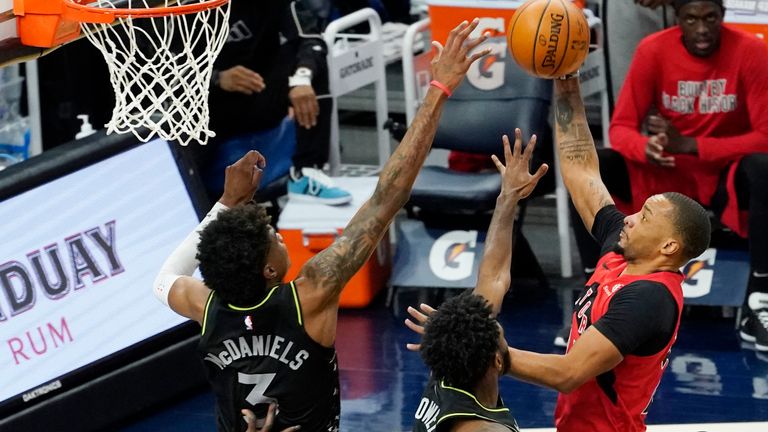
(160, 57)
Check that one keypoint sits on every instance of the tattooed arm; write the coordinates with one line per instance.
(324, 276)
(576, 149)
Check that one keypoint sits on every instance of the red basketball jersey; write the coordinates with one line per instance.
(618, 399)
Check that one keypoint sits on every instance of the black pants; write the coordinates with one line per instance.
(751, 194)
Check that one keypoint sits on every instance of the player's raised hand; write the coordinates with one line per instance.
(420, 319)
(450, 64)
(242, 178)
(516, 178)
(253, 422)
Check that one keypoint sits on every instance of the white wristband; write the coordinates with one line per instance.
(295, 81)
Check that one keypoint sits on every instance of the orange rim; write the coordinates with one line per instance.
(154, 12)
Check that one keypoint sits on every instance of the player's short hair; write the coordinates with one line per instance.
(692, 222)
(232, 252)
(460, 340)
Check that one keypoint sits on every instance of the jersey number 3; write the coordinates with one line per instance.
(260, 382)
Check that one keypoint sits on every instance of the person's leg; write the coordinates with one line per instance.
(307, 182)
(752, 195)
(313, 145)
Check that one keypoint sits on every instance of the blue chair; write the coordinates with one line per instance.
(444, 200)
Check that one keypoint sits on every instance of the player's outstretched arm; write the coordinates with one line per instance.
(174, 285)
(594, 354)
(329, 270)
(517, 183)
(576, 149)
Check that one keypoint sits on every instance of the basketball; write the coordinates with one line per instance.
(548, 38)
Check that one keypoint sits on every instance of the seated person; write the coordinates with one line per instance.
(701, 88)
(273, 61)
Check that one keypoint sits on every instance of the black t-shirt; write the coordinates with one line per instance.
(641, 301)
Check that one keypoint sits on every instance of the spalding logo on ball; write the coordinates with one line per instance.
(548, 38)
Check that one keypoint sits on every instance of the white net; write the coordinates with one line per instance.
(160, 69)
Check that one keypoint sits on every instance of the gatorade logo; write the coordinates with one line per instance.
(488, 72)
(699, 273)
(452, 256)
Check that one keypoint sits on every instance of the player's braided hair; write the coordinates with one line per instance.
(232, 253)
(460, 340)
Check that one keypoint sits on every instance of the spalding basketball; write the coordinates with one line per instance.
(548, 38)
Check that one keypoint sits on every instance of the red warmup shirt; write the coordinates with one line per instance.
(618, 400)
(721, 100)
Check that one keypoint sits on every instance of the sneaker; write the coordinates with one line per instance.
(316, 187)
(747, 328)
(760, 327)
(561, 339)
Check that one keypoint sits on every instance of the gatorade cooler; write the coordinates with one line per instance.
(309, 228)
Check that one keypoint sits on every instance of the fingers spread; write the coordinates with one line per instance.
(507, 149)
(451, 42)
(540, 172)
(530, 147)
(471, 45)
(464, 34)
(499, 165)
(418, 316)
(427, 309)
(439, 47)
(518, 143)
(478, 55)
(414, 327)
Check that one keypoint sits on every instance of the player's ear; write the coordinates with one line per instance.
(498, 362)
(671, 246)
(269, 271)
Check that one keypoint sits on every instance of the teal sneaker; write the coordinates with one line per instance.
(316, 187)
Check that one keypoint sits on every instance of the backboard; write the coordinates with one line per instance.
(11, 49)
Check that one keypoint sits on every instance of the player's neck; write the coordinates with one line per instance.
(487, 390)
(644, 267)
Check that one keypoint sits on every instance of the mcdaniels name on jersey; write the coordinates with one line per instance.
(273, 346)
